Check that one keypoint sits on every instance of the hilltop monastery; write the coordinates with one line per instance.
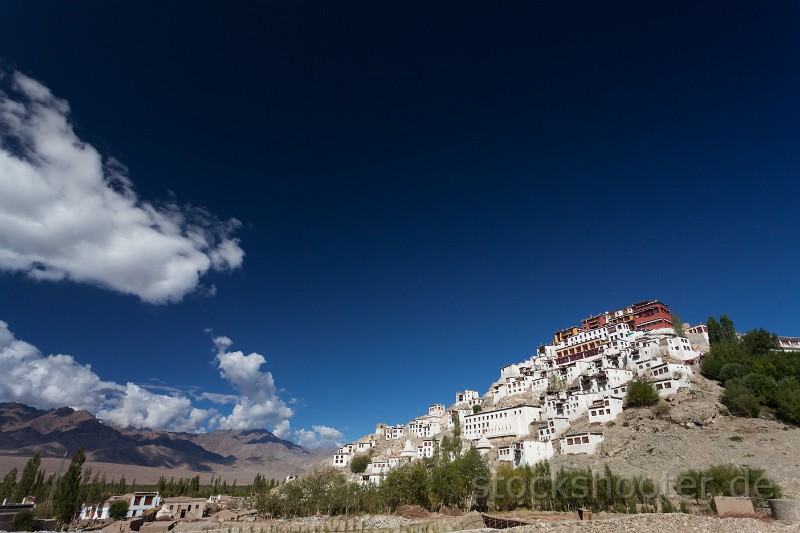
(526, 415)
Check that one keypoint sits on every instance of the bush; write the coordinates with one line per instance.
(118, 510)
(662, 409)
(740, 401)
(787, 400)
(733, 370)
(359, 463)
(24, 521)
(763, 387)
(727, 480)
(641, 394)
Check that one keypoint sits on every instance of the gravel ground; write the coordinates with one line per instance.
(661, 523)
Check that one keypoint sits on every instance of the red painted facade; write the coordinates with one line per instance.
(651, 314)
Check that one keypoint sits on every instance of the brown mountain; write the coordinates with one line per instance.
(25, 430)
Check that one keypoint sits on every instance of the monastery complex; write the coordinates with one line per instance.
(526, 415)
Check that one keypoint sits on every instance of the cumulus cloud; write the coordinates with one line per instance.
(140, 408)
(319, 437)
(33, 379)
(65, 214)
(38, 380)
(259, 405)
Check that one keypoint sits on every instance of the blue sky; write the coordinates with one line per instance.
(396, 200)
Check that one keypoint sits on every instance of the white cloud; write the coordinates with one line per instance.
(259, 405)
(319, 437)
(34, 379)
(140, 408)
(67, 215)
(283, 430)
(38, 380)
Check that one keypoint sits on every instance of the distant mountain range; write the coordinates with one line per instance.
(25, 430)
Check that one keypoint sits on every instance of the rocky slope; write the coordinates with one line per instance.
(694, 435)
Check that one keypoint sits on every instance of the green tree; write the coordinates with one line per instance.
(728, 331)
(26, 484)
(640, 394)
(118, 510)
(760, 342)
(66, 500)
(475, 476)
(8, 484)
(787, 400)
(739, 400)
(476, 408)
(677, 325)
(714, 331)
(359, 463)
(763, 387)
(407, 485)
(447, 487)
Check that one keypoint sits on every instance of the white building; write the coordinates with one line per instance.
(376, 471)
(436, 409)
(679, 372)
(363, 446)
(605, 410)
(505, 454)
(553, 428)
(138, 503)
(425, 426)
(789, 344)
(426, 449)
(681, 349)
(340, 460)
(580, 443)
(395, 432)
(507, 422)
(530, 452)
(470, 397)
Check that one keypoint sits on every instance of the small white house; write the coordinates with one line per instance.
(436, 409)
(680, 348)
(426, 449)
(395, 432)
(553, 428)
(580, 443)
(340, 460)
(530, 452)
(138, 503)
(605, 410)
(505, 454)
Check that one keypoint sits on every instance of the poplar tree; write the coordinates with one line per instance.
(714, 331)
(66, 501)
(28, 480)
(728, 331)
(8, 484)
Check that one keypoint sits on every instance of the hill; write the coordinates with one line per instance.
(25, 431)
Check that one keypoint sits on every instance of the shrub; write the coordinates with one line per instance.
(763, 387)
(740, 401)
(662, 409)
(24, 521)
(641, 394)
(726, 480)
(118, 510)
(733, 370)
(359, 463)
(787, 400)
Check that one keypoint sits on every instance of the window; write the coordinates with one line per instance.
(586, 440)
